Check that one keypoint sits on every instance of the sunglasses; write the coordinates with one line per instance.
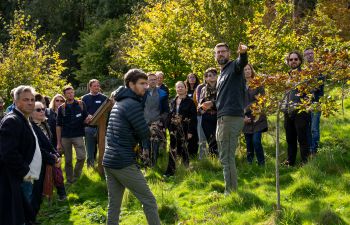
(39, 110)
(293, 59)
(59, 100)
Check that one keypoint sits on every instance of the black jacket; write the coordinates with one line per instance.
(71, 118)
(231, 88)
(48, 151)
(126, 128)
(52, 121)
(188, 112)
(17, 147)
(261, 123)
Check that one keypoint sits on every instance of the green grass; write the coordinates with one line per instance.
(316, 193)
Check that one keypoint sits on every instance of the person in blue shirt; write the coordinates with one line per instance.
(93, 101)
(13, 105)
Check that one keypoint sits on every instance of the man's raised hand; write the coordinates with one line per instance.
(242, 48)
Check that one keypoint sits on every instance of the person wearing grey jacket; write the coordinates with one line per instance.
(126, 128)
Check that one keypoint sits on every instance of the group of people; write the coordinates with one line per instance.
(203, 120)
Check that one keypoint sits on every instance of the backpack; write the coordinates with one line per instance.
(80, 103)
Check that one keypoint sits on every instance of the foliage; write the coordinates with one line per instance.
(272, 38)
(96, 49)
(29, 59)
(177, 37)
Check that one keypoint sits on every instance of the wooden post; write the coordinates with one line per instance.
(102, 127)
(100, 119)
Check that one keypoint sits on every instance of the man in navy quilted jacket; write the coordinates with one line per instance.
(126, 128)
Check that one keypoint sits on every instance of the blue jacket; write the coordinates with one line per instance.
(126, 128)
(163, 100)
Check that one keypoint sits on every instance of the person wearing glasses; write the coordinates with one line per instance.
(49, 156)
(296, 123)
(229, 103)
(93, 101)
(209, 116)
(191, 83)
(51, 114)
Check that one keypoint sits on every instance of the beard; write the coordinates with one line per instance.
(222, 61)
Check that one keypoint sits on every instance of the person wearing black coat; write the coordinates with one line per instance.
(296, 124)
(49, 154)
(17, 149)
(254, 126)
(182, 124)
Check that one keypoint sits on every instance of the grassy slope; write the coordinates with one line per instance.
(317, 193)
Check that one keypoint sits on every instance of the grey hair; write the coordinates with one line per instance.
(23, 88)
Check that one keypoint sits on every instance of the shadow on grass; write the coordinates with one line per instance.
(86, 197)
(57, 213)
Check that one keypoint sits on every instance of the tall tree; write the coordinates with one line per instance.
(27, 59)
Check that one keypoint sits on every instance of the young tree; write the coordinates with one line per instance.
(272, 38)
(27, 59)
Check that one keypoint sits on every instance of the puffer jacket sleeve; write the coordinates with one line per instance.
(137, 120)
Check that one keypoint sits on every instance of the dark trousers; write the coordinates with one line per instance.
(209, 129)
(254, 145)
(177, 147)
(297, 130)
(193, 146)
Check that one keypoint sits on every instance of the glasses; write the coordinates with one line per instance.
(192, 78)
(59, 100)
(221, 51)
(293, 59)
(210, 75)
(39, 110)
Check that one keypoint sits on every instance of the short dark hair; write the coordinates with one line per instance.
(300, 56)
(133, 75)
(38, 97)
(66, 88)
(211, 70)
(222, 44)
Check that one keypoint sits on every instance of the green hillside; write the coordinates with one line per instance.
(317, 193)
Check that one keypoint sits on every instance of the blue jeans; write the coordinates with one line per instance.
(91, 144)
(27, 189)
(315, 131)
(254, 145)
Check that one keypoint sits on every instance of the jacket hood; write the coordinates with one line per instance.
(124, 92)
